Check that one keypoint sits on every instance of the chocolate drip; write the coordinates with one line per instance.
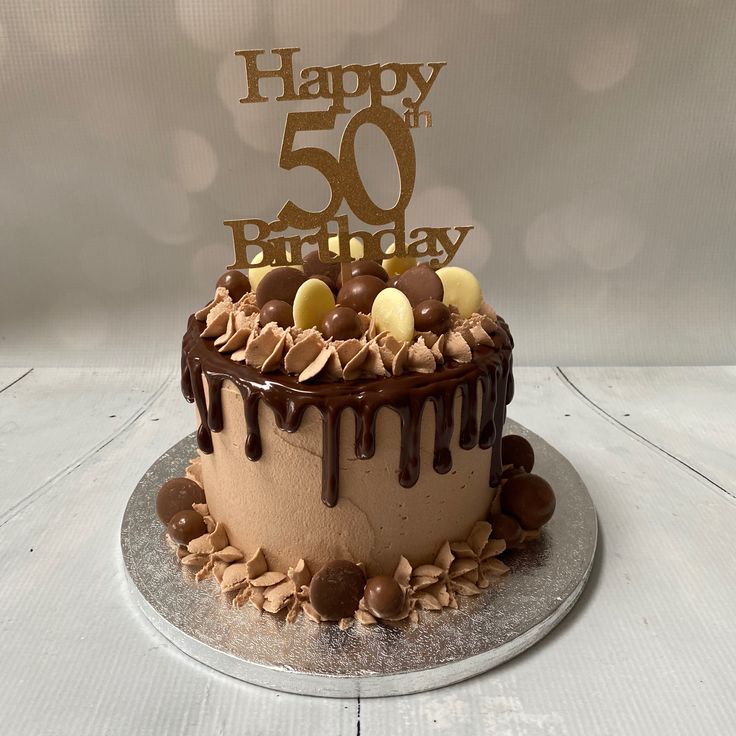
(253, 447)
(186, 378)
(443, 425)
(204, 436)
(487, 418)
(469, 415)
(499, 417)
(205, 369)
(330, 452)
(411, 425)
(365, 433)
(214, 407)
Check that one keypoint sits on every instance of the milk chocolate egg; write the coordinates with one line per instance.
(364, 267)
(256, 273)
(420, 283)
(360, 292)
(279, 283)
(315, 266)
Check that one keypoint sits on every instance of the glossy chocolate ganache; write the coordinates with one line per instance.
(487, 380)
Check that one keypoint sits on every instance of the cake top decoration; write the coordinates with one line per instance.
(340, 239)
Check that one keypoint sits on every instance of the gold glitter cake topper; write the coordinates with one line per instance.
(276, 242)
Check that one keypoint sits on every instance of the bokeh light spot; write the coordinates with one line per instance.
(194, 160)
(603, 57)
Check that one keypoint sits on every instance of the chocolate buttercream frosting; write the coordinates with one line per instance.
(407, 394)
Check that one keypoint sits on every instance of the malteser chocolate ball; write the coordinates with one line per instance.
(177, 494)
(336, 590)
(236, 283)
(313, 266)
(516, 451)
(341, 323)
(277, 311)
(280, 283)
(383, 597)
(507, 528)
(420, 283)
(511, 472)
(529, 499)
(360, 292)
(364, 267)
(185, 526)
(432, 316)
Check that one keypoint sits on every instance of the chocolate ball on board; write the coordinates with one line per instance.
(420, 283)
(341, 323)
(313, 266)
(516, 451)
(507, 528)
(336, 590)
(360, 292)
(432, 316)
(276, 311)
(280, 283)
(529, 499)
(511, 472)
(364, 267)
(185, 526)
(177, 494)
(236, 283)
(383, 596)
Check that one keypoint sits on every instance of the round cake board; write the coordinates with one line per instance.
(545, 581)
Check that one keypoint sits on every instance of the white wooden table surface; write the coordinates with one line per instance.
(650, 648)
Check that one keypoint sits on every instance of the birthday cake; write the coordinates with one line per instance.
(350, 401)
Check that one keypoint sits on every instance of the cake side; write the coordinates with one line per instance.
(428, 432)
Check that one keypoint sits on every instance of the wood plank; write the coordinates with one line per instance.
(686, 412)
(83, 659)
(650, 648)
(10, 376)
(53, 419)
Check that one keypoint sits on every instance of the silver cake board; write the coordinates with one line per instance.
(545, 581)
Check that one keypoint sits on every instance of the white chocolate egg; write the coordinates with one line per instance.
(394, 265)
(356, 246)
(462, 289)
(312, 301)
(392, 311)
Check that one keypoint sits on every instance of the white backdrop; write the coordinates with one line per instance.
(592, 145)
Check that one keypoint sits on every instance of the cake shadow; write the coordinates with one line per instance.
(589, 592)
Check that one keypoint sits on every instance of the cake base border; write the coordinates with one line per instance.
(545, 581)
